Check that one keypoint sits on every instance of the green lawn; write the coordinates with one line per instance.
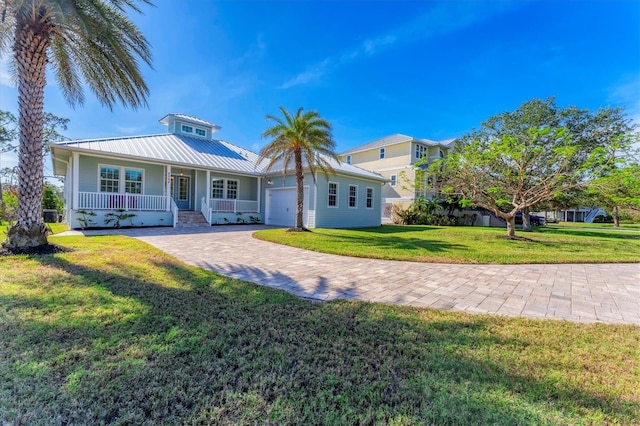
(463, 244)
(116, 331)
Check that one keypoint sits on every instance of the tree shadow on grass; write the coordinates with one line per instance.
(594, 234)
(175, 344)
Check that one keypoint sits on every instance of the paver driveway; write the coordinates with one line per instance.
(607, 293)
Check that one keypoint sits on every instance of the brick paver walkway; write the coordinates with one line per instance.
(607, 293)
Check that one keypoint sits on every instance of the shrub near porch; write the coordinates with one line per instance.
(464, 244)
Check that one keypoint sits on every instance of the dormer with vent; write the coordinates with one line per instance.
(182, 124)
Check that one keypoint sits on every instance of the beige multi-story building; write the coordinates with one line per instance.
(395, 157)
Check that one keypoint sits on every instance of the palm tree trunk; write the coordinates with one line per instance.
(32, 39)
(300, 187)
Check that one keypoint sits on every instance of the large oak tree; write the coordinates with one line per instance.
(531, 155)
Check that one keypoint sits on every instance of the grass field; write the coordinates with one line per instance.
(116, 331)
(462, 244)
(55, 227)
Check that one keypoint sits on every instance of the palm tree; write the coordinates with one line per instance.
(84, 40)
(304, 139)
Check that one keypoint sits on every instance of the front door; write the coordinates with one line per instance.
(181, 191)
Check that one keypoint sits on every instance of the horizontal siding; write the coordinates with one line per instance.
(343, 216)
(153, 174)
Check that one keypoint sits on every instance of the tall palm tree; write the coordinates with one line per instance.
(84, 40)
(304, 139)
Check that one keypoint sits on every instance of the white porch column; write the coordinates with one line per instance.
(207, 195)
(259, 192)
(168, 186)
(75, 179)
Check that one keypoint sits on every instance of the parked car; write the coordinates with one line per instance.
(535, 219)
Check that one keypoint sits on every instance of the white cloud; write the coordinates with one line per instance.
(445, 17)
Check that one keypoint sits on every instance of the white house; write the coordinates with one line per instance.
(150, 180)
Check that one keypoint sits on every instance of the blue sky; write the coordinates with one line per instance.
(429, 69)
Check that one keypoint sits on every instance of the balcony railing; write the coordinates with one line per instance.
(220, 205)
(111, 201)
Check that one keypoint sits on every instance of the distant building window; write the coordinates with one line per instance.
(187, 129)
(369, 198)
(353, 196)
(441, 154)
(421, 151)
(133, 181)
(394, 180)
(109, 179)
(382, 153)
(200, 132)
(333, 195)
(348, 159)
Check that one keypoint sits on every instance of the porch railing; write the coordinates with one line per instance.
(111, 201)
(174, 212)
(220, 205)
(204, 209)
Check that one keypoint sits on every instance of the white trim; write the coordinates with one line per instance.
(207, 194)
(168, 186)
(225, 188)
(393, 182)
(349, 197)
(259, 193)
(76, 180)
(122, 174)
(373, 194)
(337, 195)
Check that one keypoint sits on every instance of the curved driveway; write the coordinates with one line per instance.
(607, 293)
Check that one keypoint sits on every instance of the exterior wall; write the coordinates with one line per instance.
(398, 155)
(141, 218)
(247, 185)
(233, 218)
(342, 216)
(153, 178)
(200, 188)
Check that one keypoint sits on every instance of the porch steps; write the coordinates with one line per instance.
(191, 220)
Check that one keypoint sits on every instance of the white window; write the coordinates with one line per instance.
(382, 153)
(369, 198)
(132, 181)
(421, 151)
(353, 196)
(217, 188)
(120, 180)
(224, 188)
(394, 180)
(348, 159)
(186, 129)
(232, 189)
(333, 195)
(109, 179)
(200, 132)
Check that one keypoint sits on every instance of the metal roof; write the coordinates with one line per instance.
(171, 149)
(339, 168)
(179, 149)
(394, 140)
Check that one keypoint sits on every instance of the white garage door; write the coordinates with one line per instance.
(281, 207)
